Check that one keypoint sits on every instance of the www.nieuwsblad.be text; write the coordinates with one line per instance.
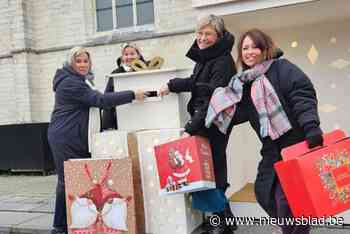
(215, 220)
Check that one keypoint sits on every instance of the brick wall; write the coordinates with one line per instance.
(36, 34)
(174, 15)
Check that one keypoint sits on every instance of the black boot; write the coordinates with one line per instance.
(227, 213)
(58, 231)
(215, 229)
(223, 227)
(205, 226)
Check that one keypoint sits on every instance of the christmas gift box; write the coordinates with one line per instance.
(185, 165)
(317, 181)
(100, 197)
(111, 143)
(163, 214)
(115, 144)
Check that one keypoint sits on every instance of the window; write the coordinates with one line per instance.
(114, 14)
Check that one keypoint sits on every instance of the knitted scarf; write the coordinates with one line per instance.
(272, 118)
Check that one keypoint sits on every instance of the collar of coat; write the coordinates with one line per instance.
(222, 46)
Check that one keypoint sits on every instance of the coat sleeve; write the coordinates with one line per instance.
(109, 118)
(80, 92)
(221, 73)
(301, 96)
(178, 85)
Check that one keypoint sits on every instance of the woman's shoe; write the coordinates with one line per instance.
(58, 231)
(227, 214)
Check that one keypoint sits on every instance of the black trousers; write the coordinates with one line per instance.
(62, 152)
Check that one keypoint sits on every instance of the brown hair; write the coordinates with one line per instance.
(131, 45)
(261, 40)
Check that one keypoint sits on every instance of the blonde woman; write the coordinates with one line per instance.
(74, 117)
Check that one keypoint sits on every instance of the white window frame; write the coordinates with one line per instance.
(114, 17)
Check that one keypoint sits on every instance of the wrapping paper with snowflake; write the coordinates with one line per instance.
(100, 196)
(317, 181)
(110, 144)
(115, 144)
(185, 165)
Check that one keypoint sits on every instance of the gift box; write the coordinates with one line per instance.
(100, 196)
(185, 165)
(115, 144)
(110, 144)
(316, 181)
(163, 214)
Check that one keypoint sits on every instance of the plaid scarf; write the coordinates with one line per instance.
(272, 118)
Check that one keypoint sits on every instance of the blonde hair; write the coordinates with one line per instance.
(74, 52)
(212, 20)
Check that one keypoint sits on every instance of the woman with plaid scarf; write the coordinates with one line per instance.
(280, 103)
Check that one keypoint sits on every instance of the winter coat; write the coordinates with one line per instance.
(73, 98)
(299, 101)
(214, 68)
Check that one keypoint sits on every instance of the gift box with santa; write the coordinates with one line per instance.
(317, 181)
(100, 196)
(163, 214)
(185, 165)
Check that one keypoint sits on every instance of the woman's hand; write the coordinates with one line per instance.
(164, 90)
(140, 95)
(185, 134)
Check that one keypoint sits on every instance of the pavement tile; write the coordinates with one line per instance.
(40, 224)
(10, 219)
(13, 206)
(5, 230)
(47, 207)
(14, 198)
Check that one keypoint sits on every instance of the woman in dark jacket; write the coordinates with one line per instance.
(280, 103)
(72, 117)
(129, 52)
(211, 51)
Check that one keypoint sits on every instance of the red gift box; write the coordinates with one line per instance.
(185, 165)
(316, 181)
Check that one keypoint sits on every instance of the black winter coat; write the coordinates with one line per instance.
(299, 101)
(214, 68)
(109, 115)
(70, 117)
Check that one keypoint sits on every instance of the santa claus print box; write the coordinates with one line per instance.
(185, 165)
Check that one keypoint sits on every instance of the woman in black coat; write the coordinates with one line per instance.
(73, 118)
(211, 51)
(129, 52)
(280, 103)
